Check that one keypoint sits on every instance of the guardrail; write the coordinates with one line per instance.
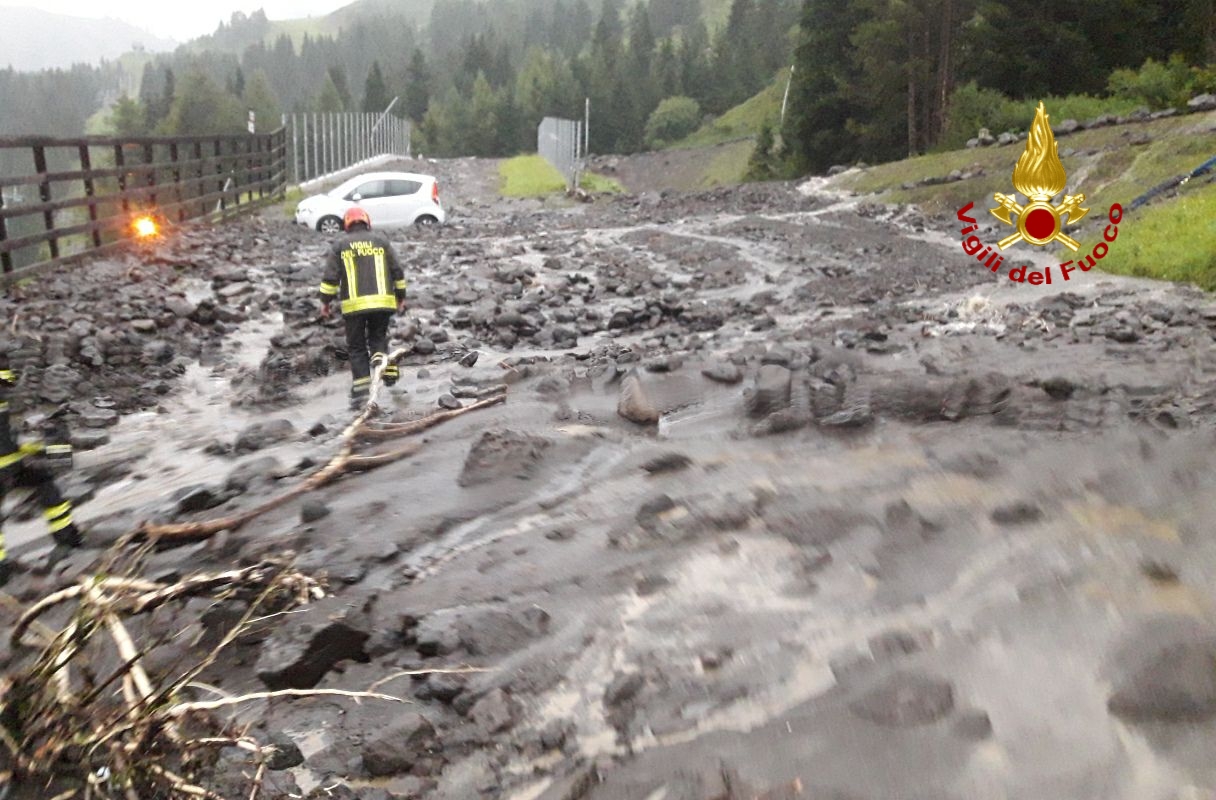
(325, 144)
(82, 195)
(560, 142)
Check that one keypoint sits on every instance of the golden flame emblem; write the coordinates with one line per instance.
(1040, 176)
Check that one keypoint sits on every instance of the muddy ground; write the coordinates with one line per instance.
(790, 498)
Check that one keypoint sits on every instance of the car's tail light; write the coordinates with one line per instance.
(435, 192)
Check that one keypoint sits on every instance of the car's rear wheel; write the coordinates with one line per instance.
(329, 224)
(426, 221)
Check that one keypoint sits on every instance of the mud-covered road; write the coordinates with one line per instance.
(789, 499)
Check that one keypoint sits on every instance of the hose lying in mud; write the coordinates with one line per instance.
(85, 719)
(344, 461)
(1202, 169)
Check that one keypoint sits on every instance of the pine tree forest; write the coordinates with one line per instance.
(872, 79)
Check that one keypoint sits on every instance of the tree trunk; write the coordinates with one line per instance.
(945, 72)
(911, 67)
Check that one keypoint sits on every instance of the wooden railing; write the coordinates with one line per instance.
(83, 195)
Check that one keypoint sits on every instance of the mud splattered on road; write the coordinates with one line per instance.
(790, 498)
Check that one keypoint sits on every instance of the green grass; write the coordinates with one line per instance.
(600, 184)
(529, 176)
(729, 166)
(1173, 240)
(1102, 162)
(290, 200)
(533, 176)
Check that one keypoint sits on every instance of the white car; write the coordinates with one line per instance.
(391, 199)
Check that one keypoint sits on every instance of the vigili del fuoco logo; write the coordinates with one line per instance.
(1040, 176)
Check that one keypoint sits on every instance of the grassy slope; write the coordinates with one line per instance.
(1174, 238)
(1102, 163)
(744, 120)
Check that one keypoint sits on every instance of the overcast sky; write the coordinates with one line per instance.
(180, 20)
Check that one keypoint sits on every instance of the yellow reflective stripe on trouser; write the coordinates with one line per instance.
(11, 458)
(329, 288)
(369, 303)
(57, 511)
(3, 551)
(54, 526)
(399, 286)
(57, 449)
(8, 375)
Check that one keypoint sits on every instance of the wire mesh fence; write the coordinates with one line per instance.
(560, 142)
(322, 144)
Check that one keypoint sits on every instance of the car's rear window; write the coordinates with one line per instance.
(396, 188)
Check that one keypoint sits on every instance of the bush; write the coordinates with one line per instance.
(675, 118)
(1155, 85)
(972, 108)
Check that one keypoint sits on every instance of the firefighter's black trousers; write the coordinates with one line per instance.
(56, 511)
(366, 337)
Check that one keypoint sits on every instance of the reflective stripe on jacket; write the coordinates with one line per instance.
(363, 273)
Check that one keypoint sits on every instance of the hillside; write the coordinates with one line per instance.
(32, 39)
(1171, 238)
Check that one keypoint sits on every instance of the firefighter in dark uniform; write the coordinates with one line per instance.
(363, 273)
(32, 466)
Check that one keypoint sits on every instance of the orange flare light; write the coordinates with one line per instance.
(145, 227)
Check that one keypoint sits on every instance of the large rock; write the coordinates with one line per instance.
(906, 700)
(634, 404)
(494, 713)
(304, 647)
(1203, 102)
(411, 739)
(1165, 671)
(503, 454)
(772, 390)
(264, 434)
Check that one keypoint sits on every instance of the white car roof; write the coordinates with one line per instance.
(389, 176)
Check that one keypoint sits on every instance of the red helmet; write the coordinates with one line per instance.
(355, 215)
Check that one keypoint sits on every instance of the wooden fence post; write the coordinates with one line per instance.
(86, 166)
(44, 191)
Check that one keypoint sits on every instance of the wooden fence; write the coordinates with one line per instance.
(82, 196)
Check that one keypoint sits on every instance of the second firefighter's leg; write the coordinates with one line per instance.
(377, 341)
(6, 566)
(56, 510)
(360, 366)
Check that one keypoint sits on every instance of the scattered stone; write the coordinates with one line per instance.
(191, 499)
(1202, 102)
(723, 373)
(905, 700)
(285, 753)
(410, 740)
(449, 402)
(1058, 388)
(1164, 670)
(623, 689)
(89, 440)
(772, 390)
(313, 510)
(634, 404)
(494, 713)
(1016, 513)
(303, 648)
(257, 471)
(668, 462)
(503, 454)
(973, 725)
(260, 435)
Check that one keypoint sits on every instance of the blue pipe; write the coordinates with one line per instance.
(1202, 169)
